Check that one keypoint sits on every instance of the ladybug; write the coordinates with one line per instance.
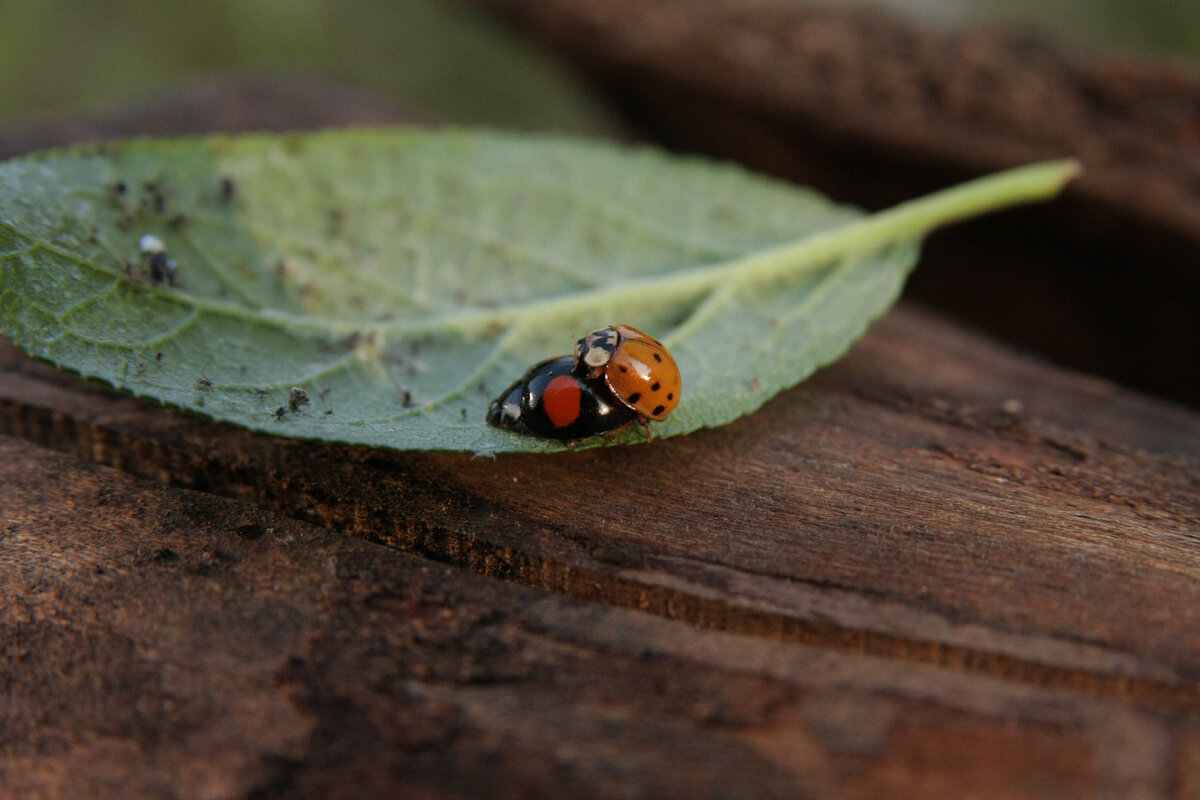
(636, 368)
(556, 401)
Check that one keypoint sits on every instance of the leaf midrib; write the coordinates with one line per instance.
(907, 220)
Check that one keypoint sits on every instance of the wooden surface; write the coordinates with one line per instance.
(936, 566)
(939, 568)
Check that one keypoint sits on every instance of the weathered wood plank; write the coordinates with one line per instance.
(932, 498)
(172, 643)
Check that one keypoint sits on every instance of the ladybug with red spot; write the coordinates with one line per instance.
(638, 370)
(553, 400)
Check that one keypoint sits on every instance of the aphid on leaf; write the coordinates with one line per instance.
(297, 397)
(161, 267)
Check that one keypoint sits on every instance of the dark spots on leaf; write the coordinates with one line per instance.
(633, 398)
(325, 392)
(297, 397)
(205, 384)
(280, 413)
(178, 220)
(658, 410)
(118, 190)
(154, 196)
(329, 412)
(161, 267)
(226, 190)
(406, 399)
(337, 221)
(158, 356)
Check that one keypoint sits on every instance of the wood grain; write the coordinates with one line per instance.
(996, 536)
(166, 642)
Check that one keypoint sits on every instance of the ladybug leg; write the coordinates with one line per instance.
(612, 435)
(570, 443)
(646, 426)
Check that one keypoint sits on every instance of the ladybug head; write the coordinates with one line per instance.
(505, 410)
(593, 351)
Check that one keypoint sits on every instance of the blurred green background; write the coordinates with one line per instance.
(68, 56)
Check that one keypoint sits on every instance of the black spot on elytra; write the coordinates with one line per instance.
(623, 368)
(658, 358)
(670, 395)
(654, 387)
(633, 398)
(658, 410)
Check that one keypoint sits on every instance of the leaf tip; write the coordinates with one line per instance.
(1069, 169)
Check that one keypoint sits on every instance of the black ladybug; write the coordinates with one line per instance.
(554, 401)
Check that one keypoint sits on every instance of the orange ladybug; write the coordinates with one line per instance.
(638, 370)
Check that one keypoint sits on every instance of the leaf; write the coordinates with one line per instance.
(400, 279)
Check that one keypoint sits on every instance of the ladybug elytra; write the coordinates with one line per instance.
(553, 401)
(635, 366)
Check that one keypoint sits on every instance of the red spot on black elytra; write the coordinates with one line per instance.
(562, 401)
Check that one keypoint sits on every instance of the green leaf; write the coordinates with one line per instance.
(402, 278)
